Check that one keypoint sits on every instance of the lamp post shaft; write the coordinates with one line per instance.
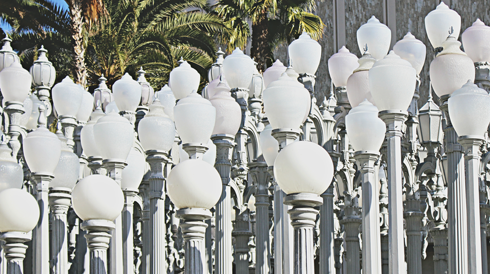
(395, 122)
(59, 202)
(69, 124)
(98, 237)
(327, 260)
(223, 240)
(15, 251)
(471, 148)
(371, 241)
(41, 231)
(127, 232)
(351, 223)
(14, 111)
(158, 242)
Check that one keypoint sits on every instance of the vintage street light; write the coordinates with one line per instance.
(98, 201)
(7, 54)
(194, 187)
(11, 173)
(439, 21)
(102, 94)
(304, 55)
(363, 121)
(127, 95)
(184, 80)
(19, 213)
(475, 42)
(42, 150)
(273, 73)
(167, 99)
(392, 85)
(358, 81)
(376, 36)
(341, 65)
(89, 144)
(43, 77)
(412, 50)
(157, 132)
(469, 103)
(83, 115)
(217, 68)
(311, 165)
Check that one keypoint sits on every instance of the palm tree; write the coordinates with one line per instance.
(273, 21)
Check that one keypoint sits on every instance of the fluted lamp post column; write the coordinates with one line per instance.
(363, 121)
(157, 133)
(311, 165)
(392, 85)
(19, 213)
(469, 104)
(115, 153)
(42, 150)
(98, 201)
(194, 186)
(127, 96)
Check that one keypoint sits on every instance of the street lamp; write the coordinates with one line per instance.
(392, 85)
(19, 213)
(439, 21)
(88, 142)
(476, 46)
(194, 187)
(11, 173)
(311, 165)
(42, 150)
(127, 95)
(273, 73)
(376, 36)
(363, 121)
(412, 50)
(341, 65)
(469, 103)
(183, 80)
(7, 54)
(102, 94)
(217, 68)
(167, 99)
(98, 201)
(358, 81)
(305, 55)
(238, 70)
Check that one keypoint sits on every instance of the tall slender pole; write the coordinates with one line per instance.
(327, 261)
(98, 237)
(127, 232)
(471, 146)
(15, 250)
(14, 111)
(59, 202)
(223, 240)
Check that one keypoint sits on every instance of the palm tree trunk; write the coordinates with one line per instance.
(79, 69)
(261, 50)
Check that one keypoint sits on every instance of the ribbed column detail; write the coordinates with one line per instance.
(327, 260)
(352, 258)
(59, 203)
(127, 233)
(15, 251)
(41, 231)
(440, 250)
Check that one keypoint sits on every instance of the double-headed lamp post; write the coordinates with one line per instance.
(392, 85)
(303, 170)
(194, 187)
(363, 121)
(98, 201)
(469, 103)
(19, 213)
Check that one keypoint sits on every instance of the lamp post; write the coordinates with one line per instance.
(341, 65)
(217, 68)
(89, 143)
(194, 187)
(42, 150)
(66, 175)
(15, 83)
(183, 80)
(473, 39)
(361, 121)
(375, 37)
(305, 54)
(157, 133)
(315, 172)
(43, 77)
(358, 83)
(11, 173)
(392, 85)
(19, 213)
(438, 22)
(102, 94)
(147, 96)
(469, 104)
(127, 95)
(115, 155)
(98, 201)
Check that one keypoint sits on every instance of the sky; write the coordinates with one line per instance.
(6, 27)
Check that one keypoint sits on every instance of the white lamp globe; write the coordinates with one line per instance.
(67, 97)
(469, 111)
(11, 173)
(97, 197)
(439, 22)
(147, 92)
(209, 156)
(42, 71)
(15, 83)
(156, 130)
(111, 107)
(358, 81)
(341, 65)
(211, 87)
(194, 119)
(87, 137)
(127, 93)
(167, 99)
(476, 42)
(133, 173)
(24, 118)
(114, 137)
(42, 150)
(392, 83)
(238, 69)
(86, 106)
(194, 184)
(376, 36)
(273, 72)
(363, 121)
(451, 69)
(303, 167)
(305, 54)
(7, 54)
(269, 145)
(184, 80)
(285, 102)
(256, 84)
(19, 211)
(228, 111)
(68, 169)
(412, 50)
(102, 94)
